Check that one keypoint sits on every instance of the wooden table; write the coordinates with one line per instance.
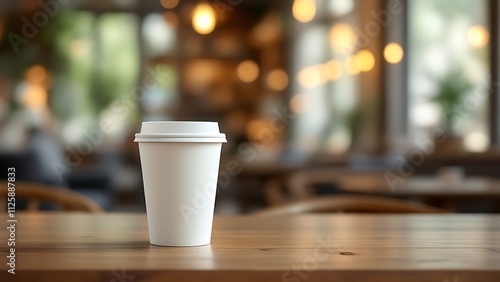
(114, 247)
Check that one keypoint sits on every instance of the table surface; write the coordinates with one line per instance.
(423, 186)
(340, 247)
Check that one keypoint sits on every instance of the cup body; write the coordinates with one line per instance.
(180, 172)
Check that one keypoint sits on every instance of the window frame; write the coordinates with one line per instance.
(395, 81)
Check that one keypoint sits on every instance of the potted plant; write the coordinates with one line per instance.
(453, 88)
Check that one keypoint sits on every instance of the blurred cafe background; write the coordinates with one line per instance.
(393, 98)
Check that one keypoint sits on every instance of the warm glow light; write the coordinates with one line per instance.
(204, 18)
(365, 60)
(393, 53)
(478, 36)
(343, 39)
(338, 142)
(199, 74)
(79, 47)
(277, 80)
(333, 70)
(158, 34)
(171, 18)
(341, 7)
(304, 10)
(267, 31)
(36, 74)
(352, 66)
(425, 115)
(247, 71)
(323, 75)
(309, 77)
(169, 4)
(35, 97)
(299, 104)
(256, 129)
(476, 142)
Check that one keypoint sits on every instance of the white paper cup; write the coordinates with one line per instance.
(180, 167)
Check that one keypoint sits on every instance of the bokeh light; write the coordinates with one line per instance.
(352, 66)
(341, 7)
(478, 36)
(204, 18)
(34, 97)
(277, 80)
(476, 142)
(393, 53)
(365, 60)
(304, 10)
(247, 71)
(309, 77)
(171, 18)
(255, 129)
(343, 39)
(299, 104)
(333, 69)
(169, 4)
(36, 74)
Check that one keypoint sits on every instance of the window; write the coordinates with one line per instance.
(98, 63)
(330, 64)
(448, 70)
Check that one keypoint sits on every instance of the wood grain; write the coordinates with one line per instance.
(90, 247)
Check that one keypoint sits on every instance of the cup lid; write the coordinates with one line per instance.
(180, 131)
(180, 127)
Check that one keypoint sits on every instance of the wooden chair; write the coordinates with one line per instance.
(349, 204)
(35, 193)
(274, 191)
(301, 184)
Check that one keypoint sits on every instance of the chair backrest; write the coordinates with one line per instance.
(36, 193)
(349, 204)
(301, 184)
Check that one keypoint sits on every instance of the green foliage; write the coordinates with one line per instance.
(452, 90)
(355, 119)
